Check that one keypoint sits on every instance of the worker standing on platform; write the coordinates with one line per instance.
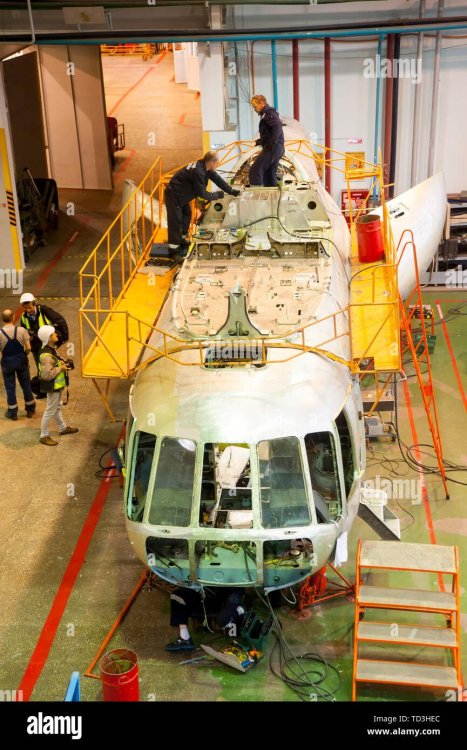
(188, 183)
(52, 373)
(263, 171)
(15, 347)
(34, 316)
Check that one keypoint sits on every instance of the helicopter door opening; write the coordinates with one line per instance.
(226, 501)
(143, 455)
(172, 496)
(284, 501)
(347, 452)
(322, 461)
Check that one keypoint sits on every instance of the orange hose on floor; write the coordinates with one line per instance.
(120, 617)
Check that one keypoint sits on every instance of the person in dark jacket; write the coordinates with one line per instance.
(263, 171)
(223, 604)
(15, 347)
(34, 316)
(188, 183)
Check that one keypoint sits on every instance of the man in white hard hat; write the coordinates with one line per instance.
(53, 380)
(34, 316)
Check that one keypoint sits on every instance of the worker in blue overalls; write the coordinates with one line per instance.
(15, 347)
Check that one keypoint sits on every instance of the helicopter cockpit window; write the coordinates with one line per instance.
(143, 454)
(283, 496)
(226, 487)
(346, 450)
(173, 487)
(322, 460)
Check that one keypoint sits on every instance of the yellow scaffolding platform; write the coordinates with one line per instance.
(117, 350)
(374, 314)
(113, 334)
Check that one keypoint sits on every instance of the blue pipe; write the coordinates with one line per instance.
(378, 97)
(274, 74)
(278, 36)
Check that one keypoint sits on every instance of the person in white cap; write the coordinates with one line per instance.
(53, 380)
(34, 316)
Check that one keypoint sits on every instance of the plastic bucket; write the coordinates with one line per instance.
(369, 238)
(119, 675)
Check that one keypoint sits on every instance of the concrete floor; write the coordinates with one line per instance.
(63, 581)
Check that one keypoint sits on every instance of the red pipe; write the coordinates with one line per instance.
(296, 80)
(327, 110)
(388, 112)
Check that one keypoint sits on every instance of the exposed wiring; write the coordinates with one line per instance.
(302, 673)
(101, 472)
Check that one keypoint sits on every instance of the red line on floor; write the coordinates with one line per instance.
(451, 353)
(426, 504)
(181, 121)
(161, 57)
(115, 107)
(44, 644)
(40, 283)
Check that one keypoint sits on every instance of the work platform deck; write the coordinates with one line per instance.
(374, 312)
(121, 339)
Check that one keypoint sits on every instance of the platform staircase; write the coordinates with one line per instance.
(437, 662)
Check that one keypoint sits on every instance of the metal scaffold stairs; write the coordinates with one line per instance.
(381, 625)
(381, 330)
(412, 309)
(121, 297)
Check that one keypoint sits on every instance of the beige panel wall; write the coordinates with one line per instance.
(21, 76)
(60, 117)
(91, 117)
(75, 116)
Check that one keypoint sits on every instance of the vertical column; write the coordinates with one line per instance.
(11, 245)
(327, 109)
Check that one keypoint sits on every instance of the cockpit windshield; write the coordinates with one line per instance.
(283, 495)
(173, 487)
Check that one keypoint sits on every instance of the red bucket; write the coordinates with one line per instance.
(119, 675)
(369, 239)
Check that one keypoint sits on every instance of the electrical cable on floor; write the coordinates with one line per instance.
(415, 464)
(101, 472)
(305, 681)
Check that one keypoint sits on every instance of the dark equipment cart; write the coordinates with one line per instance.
(38, 209)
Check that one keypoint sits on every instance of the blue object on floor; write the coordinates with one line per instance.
(73, 692)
